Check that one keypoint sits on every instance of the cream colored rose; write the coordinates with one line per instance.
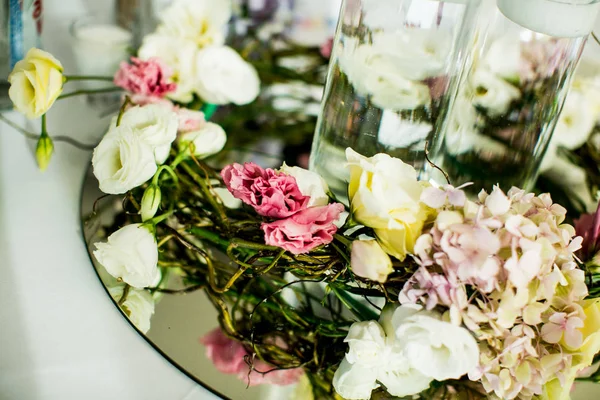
(138, 306)
(224, 77)
(35, 83)
(122, 161)
(130, 254)
(368, 260)
(385, 195)
(205, 142)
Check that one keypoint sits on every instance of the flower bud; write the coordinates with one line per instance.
(150, 202)
(43, 151)
(368, 260)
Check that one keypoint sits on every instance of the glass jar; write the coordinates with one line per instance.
(392, 68)
(498, 127)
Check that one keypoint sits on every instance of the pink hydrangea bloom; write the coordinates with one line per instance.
(304, 230)
(229, 357)
(145, 77)
(271, 193)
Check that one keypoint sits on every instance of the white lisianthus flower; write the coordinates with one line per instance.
(576, 122)
(368, 260)
(355, 381)
(492, 93)
(208, 140)
(139, 306)
(417, 53)
(122, 161)
(130, 254)
(201, 21)
(223, 77)
(504, 57)
(375, 72)
(405, 351)
(310, 184)
(155, 124)
(35, 83)
(179, 54)
(385, 195)
(435, 348)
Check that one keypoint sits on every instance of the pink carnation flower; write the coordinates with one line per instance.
(145, 77)
(229, 357)
(304, 230)
(272, 194)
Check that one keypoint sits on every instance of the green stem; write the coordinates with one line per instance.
(89, 91)
(122, 109)
(124, 295)
(44, 129)
(87, 78)
(210, 236)
(179, 158)
(169, 170)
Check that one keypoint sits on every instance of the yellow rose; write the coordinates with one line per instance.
(35, 83)
(385, 195)
(582, 357)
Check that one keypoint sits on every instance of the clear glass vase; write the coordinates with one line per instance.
(497, 129)
(392, 69)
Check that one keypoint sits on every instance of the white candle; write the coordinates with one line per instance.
(100, 48)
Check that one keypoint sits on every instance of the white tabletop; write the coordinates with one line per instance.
(61, 336)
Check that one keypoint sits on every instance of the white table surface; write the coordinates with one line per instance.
(61, 337)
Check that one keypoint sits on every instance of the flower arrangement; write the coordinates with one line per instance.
(410, 290)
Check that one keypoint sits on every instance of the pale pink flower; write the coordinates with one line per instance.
(438, 197)
(565, 325)
(231, 357)
(149, 78)
(272, 194)
(305, 230)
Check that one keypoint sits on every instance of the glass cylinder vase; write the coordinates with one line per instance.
(498, 127)
(392, 68)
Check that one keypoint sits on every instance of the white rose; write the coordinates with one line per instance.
(208, 140)
(180, 55)
(385, 195)
(138, 306)
(368, 260)
(375, 72)
(35, 83)
(310, 184)
(224, 77)
(201, 21)
(122, 161)
(434, 348)
(492, 93)
(130, 254)
(155, 124)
